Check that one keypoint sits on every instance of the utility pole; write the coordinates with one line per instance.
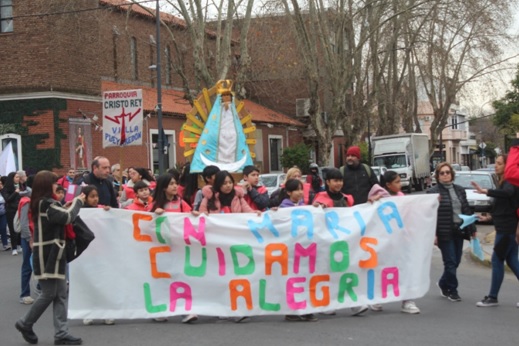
(160, 143)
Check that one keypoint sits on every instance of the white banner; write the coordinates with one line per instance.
(122, 118)
(289, 261)
(7, 160)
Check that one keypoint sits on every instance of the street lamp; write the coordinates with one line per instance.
(160, 141)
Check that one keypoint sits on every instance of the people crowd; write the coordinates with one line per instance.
(45, 205)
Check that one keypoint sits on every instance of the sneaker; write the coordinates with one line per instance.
(487, 301)
(301, 318)
(409, 307)
(109, 322)
(331, 312)
(27, 332)
(309, 318)
(26, 300)
(160, 319)
(88, 322)
(19, 249)
(376, 307)
(68, 340)
(454, 297)
(190, 318)
(7, 247)
(356, 311)
(241, 319)
(444, 293)
(15, 253)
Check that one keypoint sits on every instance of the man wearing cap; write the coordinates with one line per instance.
(358, 177)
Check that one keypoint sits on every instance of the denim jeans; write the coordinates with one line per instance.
(52, 291)
(26, 269)
(3, 229)
(498, 266)
(451, 255)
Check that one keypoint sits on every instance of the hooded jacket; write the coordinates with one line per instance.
(238, 203)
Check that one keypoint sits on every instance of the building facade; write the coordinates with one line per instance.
(59, 56)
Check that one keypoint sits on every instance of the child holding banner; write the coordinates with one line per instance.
(142, 200)
(332, 197)
(390, 185)
(224, 196)
(92, 201)
(294, 190)
(167, 199)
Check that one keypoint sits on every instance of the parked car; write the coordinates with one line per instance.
(272, 181)
(487, 180)
(379, 170)
(488, 168)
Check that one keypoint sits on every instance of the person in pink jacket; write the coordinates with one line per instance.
(166, 196)
(390, 185)
(332, 196)
(224, 196)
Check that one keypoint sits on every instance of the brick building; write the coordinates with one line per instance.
(58, 56)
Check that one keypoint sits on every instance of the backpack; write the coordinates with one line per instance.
(366, 167)
(16, 222)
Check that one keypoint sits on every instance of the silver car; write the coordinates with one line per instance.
(487, 180)
(272, 181)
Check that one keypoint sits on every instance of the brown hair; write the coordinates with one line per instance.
(41, 188)
(502, 176)
(438, 169)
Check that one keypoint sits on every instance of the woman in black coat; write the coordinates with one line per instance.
(504, 214)
(11, 193)
(449, 236)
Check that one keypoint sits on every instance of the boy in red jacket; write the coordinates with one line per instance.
(143, 200)
(255, 196)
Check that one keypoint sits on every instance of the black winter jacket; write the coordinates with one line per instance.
(49, 258)
(446, 229)
(358, 181)
(505, 206)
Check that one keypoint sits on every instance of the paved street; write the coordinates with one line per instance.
(441, 322)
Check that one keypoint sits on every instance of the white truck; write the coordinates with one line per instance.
(407, 154)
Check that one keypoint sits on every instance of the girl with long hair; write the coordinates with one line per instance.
(49, 259)
(506, 198)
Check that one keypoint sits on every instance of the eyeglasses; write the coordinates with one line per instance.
(445, 172)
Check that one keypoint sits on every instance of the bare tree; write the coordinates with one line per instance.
(461, 42)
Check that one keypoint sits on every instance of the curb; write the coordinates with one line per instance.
(487, 262)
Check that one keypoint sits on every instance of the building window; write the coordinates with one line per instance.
(6, 15)
(133, 56)
(168, 65)
(454, 122)
(275, 151)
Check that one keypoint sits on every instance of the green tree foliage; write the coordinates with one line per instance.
(297, 155)
(507, 108)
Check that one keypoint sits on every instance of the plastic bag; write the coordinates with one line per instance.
(475, 246)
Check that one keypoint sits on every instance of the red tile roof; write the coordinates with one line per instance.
(143, 10)
(173, 102)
